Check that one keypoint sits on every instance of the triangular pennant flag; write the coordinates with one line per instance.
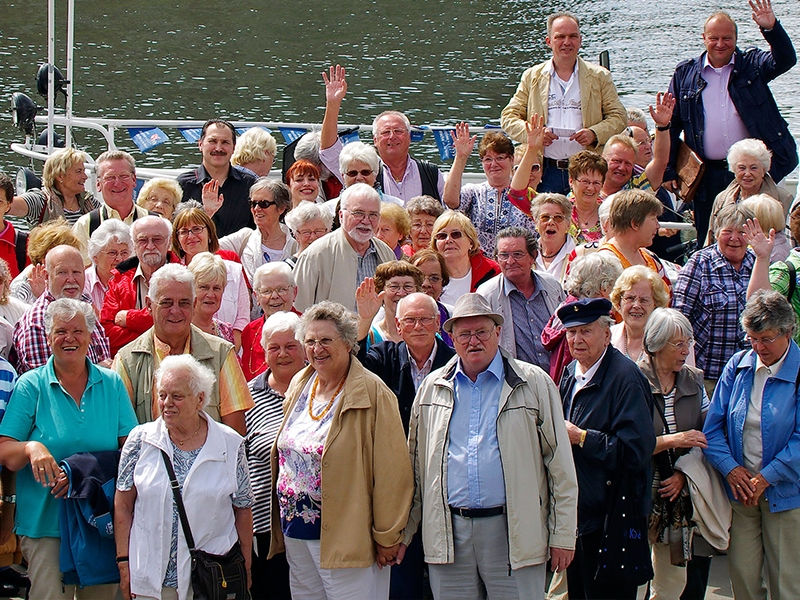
(191, 134)
(290, 134)
(444, 142)
(147, 138)
(349, 138)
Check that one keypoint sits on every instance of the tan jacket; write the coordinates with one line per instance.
(327, 271)
(601, 108)
(541, 484)
(367, 482)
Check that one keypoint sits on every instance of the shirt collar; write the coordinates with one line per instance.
(428, 362)
(509, 287)
(707, 64)
(553, 68)
(495, 368)
(582, 377)
(774, 368)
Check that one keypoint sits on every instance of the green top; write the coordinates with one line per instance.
(779, 280)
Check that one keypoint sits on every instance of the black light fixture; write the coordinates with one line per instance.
(58, 141)
(26, 180)
(23, 112)
(58, 81)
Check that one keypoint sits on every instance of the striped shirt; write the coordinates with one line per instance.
(263, 422)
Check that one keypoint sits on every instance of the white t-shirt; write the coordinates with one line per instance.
(564, 115)
(456, 288)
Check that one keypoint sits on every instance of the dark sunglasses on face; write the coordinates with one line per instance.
(443, 235)
(262, 204)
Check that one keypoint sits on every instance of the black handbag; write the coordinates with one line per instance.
(624, 554)
(214, 576)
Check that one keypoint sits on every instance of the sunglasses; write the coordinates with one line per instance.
(453, 235)
(362, 172)
(263, 204)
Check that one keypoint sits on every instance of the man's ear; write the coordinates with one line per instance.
(148, 304)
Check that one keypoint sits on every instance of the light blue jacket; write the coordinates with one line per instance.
(780, 425)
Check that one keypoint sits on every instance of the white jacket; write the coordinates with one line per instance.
(540, 480)
(207, 493)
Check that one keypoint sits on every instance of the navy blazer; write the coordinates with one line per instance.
(389, 361)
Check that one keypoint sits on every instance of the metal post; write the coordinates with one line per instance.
(70, 67)
(51, 50)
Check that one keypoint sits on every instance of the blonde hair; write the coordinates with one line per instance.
(207, 267)
(47, 236)
(460, 220)
(160, 183)
(398, 216)
(59, 163)
(633, 275)
(768, 211)
(253, 145)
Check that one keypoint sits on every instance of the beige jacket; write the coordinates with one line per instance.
(367, 482)
(540, 480)
(601, 108)
(327, 271)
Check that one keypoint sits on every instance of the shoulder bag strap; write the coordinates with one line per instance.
(176, 491)
(792, 279)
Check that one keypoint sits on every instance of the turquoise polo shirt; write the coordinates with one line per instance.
(41, 410)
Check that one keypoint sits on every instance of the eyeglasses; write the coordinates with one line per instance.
(534, 168)
(764, 341)
(262, 204)
(310, 232)
(156, 200)
(123, 178)
(682, 345)
(487, 160)
(156, 240)
(323, 343)
(433, 278)
(557, 219)
(361, 215)
(281, 291)
(167, 304)
(408, 288)
(453, 235)
(385, 133)
(418, 226)
(517, 256)
(115, 254)
(590, 182)
(464, 337)
(414, 321)
(195, 231)
(642, 300)
(362, 172)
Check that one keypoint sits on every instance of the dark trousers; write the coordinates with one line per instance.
(270, 577)
(715, 179)
(580, 574)
(554, 180)
(408, 578)
(696, 578)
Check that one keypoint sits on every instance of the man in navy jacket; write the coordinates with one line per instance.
(723, 96)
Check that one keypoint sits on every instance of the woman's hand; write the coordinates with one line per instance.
(45, 468)
(388, 556)
(61, 487)
(741, 482)
(689, 439)
(535, 131)
(368, 301)
(212, 199)
(761, 244)
(37, 280)
(125, 580)
(671, 486)
(462, 141)
(335, 84)
(760, 484)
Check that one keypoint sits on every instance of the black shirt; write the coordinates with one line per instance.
(235, 211)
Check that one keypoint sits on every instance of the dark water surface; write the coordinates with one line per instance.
(439, 61)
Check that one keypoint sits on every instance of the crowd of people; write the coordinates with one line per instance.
(370, 380)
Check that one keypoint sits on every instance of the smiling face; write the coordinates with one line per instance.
(309, 232)
(359, 172)
(733, 245)
(110, 256)
(586, 188)
(620, 161)
(65, 273)
(284, 354)
(453, 249)
(265, 218)
(392, 139)
(719, 38)
(69, 340)
(178, 405)
(74, 180)
(117, 181)
(160, 201)
(217, 146)
(475, 354)
(361, 225)
(432, 280)
(637, 304)
(564, 40)
(329, 355)
(303, 186)
(418, 323)
(193, 238)
(497, 168)
(749, 173)
(172, 311)
(208, 297)
(396, 289)
(275, 294)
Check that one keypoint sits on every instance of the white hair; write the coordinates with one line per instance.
(110, 230)
(200, 378)
(362, 190)
(273, 268)
(306, 212)
(277, 323)
(66, 309)
(170, 272)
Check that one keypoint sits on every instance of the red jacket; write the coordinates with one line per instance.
(253, 359)
(8, 249)
(483, 269)
(121, 295)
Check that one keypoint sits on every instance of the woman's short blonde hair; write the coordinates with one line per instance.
(161, 183)
(47, 236)
(633, 275)
(460, 220)
(254, 145)
(207, 267)
(59, 163)
(768, 211)
(398, 216)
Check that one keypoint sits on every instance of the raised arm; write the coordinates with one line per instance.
(464, 145)
(762, 247)
(534, 130)
(368, 303)
(661, 115)
(335, 91)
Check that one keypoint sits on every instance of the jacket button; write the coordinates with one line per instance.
(608, 483)
(324, 495)
(326, 526)
(324, 463)
(780, 133)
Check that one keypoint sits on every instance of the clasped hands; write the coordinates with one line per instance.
(746, 487)
(388, 556)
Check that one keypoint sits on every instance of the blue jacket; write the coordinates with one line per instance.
(780, 425)
(86, 521)
(753, 70)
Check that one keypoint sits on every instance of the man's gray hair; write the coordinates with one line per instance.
(170, 272)
(273, 268)
(415, 296)
(147, 220)
(637, 117)
(199, 377)
(278, 323)
(110, 230)
(361, 152)
(344, 320)
(306, 212)
(395, 113)
(362, 190)
(66, 309)
(557, 15)
(768, 310)
(749, 147)
(593, 275)
(662, 326)
(108, 156)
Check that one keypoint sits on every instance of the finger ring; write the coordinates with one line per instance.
(41, 468)
(738, 486)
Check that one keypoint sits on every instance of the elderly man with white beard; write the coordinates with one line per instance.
(333, 266)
